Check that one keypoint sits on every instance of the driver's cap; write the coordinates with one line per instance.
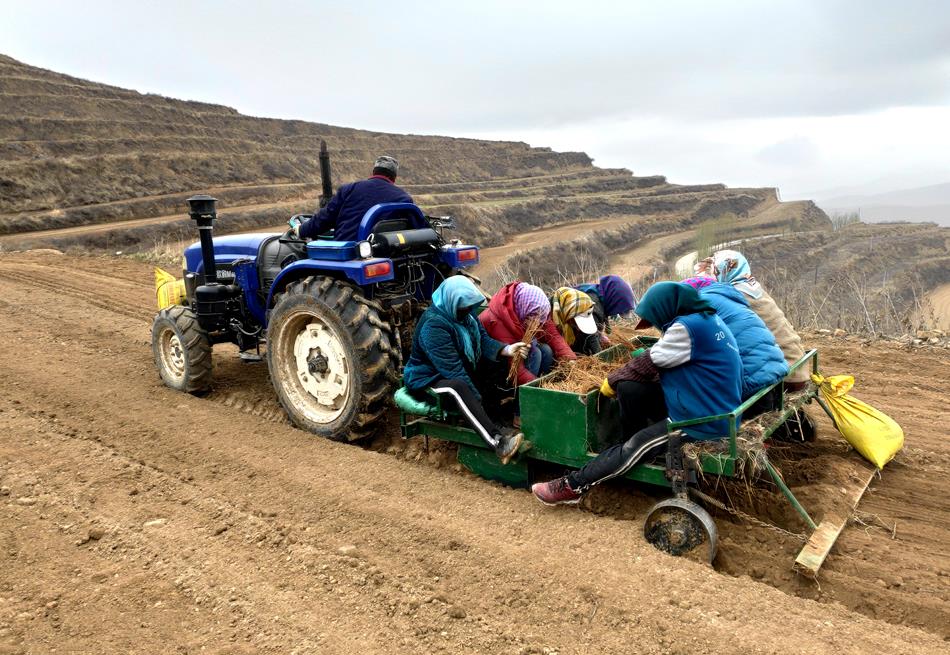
(585, 322)
(387, 163)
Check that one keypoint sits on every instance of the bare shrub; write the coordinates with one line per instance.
(843, 219)
(866, 279)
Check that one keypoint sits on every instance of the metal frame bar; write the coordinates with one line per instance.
(716, 464)
(823, 535)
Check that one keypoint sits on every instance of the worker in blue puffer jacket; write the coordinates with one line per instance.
(763, 363)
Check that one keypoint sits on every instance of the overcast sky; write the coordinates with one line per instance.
(801, 95)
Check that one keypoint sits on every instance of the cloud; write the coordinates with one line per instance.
(423, 67)
(796, 151)
(798, 93)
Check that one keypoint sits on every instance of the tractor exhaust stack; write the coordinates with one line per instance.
(326, 181)
(202, 211)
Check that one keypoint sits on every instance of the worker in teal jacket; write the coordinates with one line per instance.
(447, 347)
(697, 364)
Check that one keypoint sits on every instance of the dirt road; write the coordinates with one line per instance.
(940, 303)
(491, 258)
(138, 520)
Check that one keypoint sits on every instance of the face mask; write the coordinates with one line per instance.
(465, 312)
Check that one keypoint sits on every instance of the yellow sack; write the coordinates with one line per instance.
(873, 433)
(169, 290)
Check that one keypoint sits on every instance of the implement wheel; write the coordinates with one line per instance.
(330, 358)
(182, 350)
(678, 526)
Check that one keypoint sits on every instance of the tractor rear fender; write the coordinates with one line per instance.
(362, 272)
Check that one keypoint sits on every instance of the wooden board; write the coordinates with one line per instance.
(813, 555)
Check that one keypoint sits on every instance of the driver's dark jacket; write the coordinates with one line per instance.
(347, 206)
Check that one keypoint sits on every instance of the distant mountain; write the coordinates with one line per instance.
(927, 203)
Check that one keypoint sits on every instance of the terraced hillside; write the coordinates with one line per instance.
(874, 278)
(91, 165)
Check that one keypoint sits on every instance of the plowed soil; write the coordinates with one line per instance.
(134, 519)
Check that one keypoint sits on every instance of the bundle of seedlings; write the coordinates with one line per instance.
(623, 331)
(531, 328)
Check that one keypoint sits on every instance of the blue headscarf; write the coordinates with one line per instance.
(733, 268)
(458, 292)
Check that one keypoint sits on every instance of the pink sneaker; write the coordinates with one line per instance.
(556, 492)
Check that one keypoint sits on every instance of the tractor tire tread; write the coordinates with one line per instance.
(372, 339)
(194, 340)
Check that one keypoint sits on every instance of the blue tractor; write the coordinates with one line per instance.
(336, 317)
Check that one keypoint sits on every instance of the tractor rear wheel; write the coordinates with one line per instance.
(182, 350)
(330, 358)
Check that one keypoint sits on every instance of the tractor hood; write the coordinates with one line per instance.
(226, 250)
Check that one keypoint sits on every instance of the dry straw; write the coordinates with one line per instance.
(531, 328)
(579, 376)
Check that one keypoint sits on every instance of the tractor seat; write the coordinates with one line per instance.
(412, 405)
(392, 225)
(275, 254)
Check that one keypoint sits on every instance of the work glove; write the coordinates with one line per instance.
(521, 349)
(606, 390)
(295, 224)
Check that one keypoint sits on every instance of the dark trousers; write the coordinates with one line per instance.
(457, 394)
(642, 414)
(641, 404)
(767, 403)
(540, 359)
(620, 458)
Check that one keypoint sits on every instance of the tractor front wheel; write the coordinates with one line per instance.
(330, 358)
(182, 350)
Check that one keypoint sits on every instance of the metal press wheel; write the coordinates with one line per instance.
(679, 526)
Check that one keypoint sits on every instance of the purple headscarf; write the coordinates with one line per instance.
(530, 300)
(616, 295)
(699, 281)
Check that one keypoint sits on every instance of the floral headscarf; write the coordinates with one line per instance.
(733, 268)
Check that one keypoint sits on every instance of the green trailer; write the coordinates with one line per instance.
(569, 429)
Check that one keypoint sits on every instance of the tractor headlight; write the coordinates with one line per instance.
(365, 249)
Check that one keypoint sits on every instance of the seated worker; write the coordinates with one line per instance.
(700, 374)
(573, 313)
(509, 311)
(731, 267)
(763, 363)
(447, 346)
(347, 206)
(612, 298)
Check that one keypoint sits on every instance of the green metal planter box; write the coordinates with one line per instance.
(570, 429)
(566, 426)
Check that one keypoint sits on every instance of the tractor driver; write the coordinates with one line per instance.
(347, 206)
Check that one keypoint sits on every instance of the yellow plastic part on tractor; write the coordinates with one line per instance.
(169, 290)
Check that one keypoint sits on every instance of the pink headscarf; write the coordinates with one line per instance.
(698, 281)
(530, 300)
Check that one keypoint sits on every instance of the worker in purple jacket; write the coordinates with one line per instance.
(347, 206)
